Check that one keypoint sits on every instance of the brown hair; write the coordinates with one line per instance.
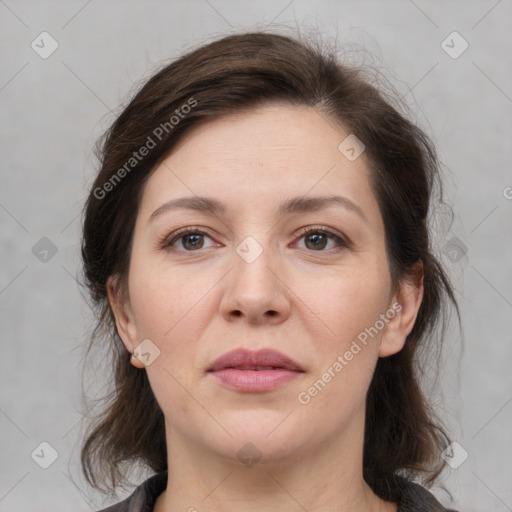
(237, 72)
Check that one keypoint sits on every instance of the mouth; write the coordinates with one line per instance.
(254, 368)
(261, 360)
(254, 372)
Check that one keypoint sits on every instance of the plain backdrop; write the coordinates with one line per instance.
(55, 106)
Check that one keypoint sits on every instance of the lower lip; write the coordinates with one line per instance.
(253, 381)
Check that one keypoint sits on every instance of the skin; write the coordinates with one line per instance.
(308, 301)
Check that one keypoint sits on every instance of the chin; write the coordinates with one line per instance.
(261, 436)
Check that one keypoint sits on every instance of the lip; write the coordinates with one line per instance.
(242, 358)
(254, 371)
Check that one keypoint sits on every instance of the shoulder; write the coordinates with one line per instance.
(415, 498)
(144, 496)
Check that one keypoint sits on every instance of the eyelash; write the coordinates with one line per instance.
(168, 241)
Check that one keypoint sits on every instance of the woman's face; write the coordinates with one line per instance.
(253, 279)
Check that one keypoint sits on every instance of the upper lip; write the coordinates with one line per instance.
(247, 359)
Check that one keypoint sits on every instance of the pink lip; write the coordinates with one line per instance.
(249, 371)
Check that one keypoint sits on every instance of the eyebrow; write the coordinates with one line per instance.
(298, 204)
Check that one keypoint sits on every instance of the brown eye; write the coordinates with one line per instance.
(316, 241)
(186, 240)
(192, 241)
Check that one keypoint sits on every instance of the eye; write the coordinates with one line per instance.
(317, 239)
(187, 239)
(192, 239)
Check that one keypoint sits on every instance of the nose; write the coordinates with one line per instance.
(256, 291)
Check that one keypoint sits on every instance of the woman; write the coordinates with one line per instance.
(256, 244)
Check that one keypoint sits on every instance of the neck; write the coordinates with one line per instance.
(325, 478)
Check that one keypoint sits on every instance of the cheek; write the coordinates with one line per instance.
(172, 310)
(346, 302)
(345, 347)
(171, 307)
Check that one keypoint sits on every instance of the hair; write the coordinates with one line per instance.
(239, 72)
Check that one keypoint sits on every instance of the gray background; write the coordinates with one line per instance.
(54, 109)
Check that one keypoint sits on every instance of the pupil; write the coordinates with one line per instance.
(319, 238)
(195, 243)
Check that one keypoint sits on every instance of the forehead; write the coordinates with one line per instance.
(264, 155)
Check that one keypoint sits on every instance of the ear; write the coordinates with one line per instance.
(405, 305)
(125, 322)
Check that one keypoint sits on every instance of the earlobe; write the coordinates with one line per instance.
(406, 304)
(125, 322)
